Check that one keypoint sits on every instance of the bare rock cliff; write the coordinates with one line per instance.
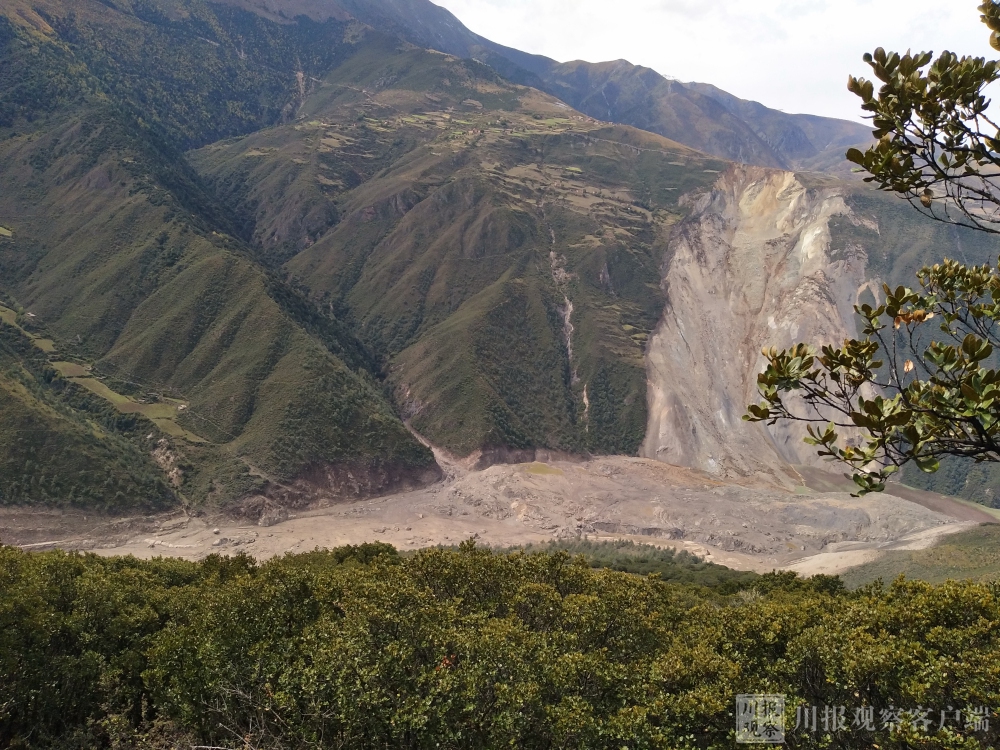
(751, 267)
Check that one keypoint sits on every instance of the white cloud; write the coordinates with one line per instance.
(794, 55)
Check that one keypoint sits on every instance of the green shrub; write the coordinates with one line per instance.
(362, 648)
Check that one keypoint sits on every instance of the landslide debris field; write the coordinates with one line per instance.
(745, 527)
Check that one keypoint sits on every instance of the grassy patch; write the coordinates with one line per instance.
(540, 469)
(9, 317)
(71, 370)
(163, 415)
(170, 427)
(970, 555)
(150, 411)
(97, 387)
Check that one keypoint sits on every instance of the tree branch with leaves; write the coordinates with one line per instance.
(920, 384)
(938, 144)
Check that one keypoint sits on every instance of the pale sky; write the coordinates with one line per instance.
(793, 55)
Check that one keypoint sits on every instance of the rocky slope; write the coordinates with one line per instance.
(751, 267)
(767, 258)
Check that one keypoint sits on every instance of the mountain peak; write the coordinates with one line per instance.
(697, 115)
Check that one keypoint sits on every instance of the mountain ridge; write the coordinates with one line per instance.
(614, 91)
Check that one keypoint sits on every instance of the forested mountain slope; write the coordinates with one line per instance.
(43, 416)
(270, 233)
(500, 250)
(135, 267)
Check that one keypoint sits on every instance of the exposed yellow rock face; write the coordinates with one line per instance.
(749, 268)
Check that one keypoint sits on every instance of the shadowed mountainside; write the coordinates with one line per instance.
(136, 268)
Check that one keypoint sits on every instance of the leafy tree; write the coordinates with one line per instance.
(938, 144)
(903, 393)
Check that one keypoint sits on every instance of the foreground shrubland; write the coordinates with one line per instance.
(361, 648)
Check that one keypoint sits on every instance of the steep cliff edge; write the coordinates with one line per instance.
(750, 267)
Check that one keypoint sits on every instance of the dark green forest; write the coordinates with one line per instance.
(360, 647)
